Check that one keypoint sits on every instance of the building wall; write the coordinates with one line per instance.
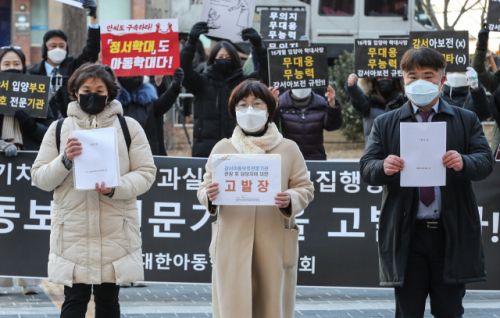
(21, 39)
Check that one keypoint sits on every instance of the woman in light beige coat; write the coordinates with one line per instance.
(255, 248)
(94, 239)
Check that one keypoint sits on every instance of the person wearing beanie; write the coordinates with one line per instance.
(59, 66)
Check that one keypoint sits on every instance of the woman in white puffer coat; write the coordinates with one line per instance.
(94, 241)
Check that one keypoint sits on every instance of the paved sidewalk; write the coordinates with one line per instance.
(183, 300)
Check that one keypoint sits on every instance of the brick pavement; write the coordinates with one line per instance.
(185, 300)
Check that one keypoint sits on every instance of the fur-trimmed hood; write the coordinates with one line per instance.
(141, 96)
(256, 145)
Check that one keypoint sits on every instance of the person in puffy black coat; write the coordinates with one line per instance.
(303, 115)
(372, 97)
(140, 101)
(56, 61)
(464, 90)
(22, 130)
(213, 87)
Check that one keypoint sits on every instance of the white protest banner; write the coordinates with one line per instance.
(74, 3)
(227, 18)
(247, 179)
(99, 160)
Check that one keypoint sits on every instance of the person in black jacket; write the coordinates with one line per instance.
(430, 237)
(140, 101)
(212, 89)
(58, 65)
(21, 130)
(462, 89)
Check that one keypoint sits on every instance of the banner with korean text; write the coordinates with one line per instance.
(298, 68)
(338, 231)
(493, 19)
(24, 92)
(141, 47)
(379, 57)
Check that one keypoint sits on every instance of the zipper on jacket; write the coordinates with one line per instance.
(217, 101)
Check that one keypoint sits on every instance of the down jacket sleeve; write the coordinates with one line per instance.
(48, 171)
(300, 187)
(359, 100)
(207, 179)
(142, 167)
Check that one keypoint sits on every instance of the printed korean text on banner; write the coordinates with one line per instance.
(298, 68)
(247, 179)
(338, 230)
(24, 92)
(141, 47)
(74, 3)
(282, 25)
(227, 18)
(379, 57)
(454, 45)
(493, 19)
(272, 44)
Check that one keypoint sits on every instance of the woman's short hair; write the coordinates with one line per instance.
(258, 90)
(422, 57)
(18, 52)
(233, 53)
(86, 71)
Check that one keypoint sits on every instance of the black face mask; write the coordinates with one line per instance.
(131, 83)
(12, 70)
(92, 103)
(385, 87)
(225, 66)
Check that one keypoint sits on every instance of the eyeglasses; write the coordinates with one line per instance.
(10, 47)
(258, 104)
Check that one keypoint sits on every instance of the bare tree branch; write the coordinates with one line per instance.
(462, 11)
(445, 14)
(484, 12)
(432, 15)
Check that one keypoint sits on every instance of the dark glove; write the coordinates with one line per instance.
(26, 122)
(177, 79)
(197, 30)
(252, 35)
(8, 148)
(91, 8)
(482, 38)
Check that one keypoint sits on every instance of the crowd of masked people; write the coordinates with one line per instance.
(235, 112)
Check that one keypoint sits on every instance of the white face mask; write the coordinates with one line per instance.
(456, 80)
(422, 92)
(57, 55)
(302, 92)
(251, 119)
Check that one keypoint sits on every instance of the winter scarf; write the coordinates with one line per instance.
(11, 131)
(256, 145)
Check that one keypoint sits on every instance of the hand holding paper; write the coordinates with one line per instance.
(393, 164)
(453, 159)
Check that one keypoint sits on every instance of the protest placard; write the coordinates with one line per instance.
(247, 179)
(27, 92)
(493, 19)
(454, 45)
(74, 3)
(141, 47)
(226, 19)
(272, 44)
(282, 25)
(379, 58)
(298, 68)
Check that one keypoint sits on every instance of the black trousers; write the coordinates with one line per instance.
(76, 299)
(425, 276)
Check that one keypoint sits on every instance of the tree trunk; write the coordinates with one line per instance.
(75, 26)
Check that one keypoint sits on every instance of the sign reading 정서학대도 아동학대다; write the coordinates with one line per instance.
(141, 47)
(247, 179)
(493, 19)
(24, 92)
(298, 68)
(454, 45)
(379, 58)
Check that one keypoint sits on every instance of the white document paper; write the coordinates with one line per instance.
(74, 3)
(247, 179)
(423, 146)
(99, 159)
(227, 18)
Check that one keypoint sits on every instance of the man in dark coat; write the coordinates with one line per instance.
(213, 88)
(429, 238)
(57, 64)
(303, 119)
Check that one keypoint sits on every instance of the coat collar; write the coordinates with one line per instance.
(102, 120)
(211, 72)
(407, 109)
